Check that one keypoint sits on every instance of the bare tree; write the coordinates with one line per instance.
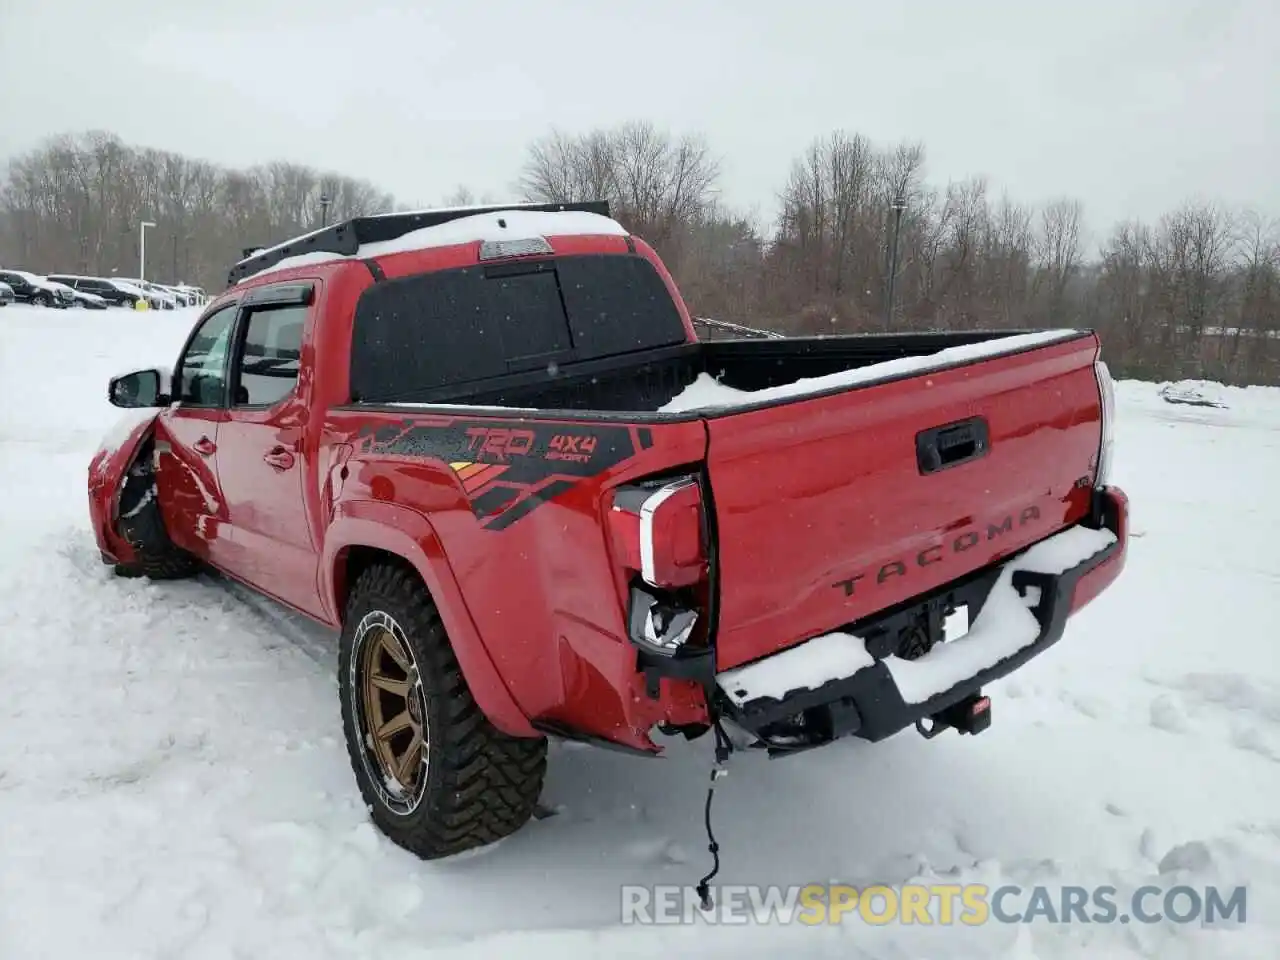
(656, 183)
(75, 203)
(1058, 254)
(1198, 294)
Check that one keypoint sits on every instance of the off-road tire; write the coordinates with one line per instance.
(141, 524)
(481, 784)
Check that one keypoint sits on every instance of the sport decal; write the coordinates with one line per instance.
(508, 468)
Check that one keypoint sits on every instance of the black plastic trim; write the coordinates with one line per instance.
(552, 729)
(687, 663)
(952, 445)
(280, 295)
(345, 238)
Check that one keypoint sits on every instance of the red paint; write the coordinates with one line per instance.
(1102, 576)
(106, 470)
(804, 495)
(826, 490)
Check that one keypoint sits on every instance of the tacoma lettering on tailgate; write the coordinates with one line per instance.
(940, 551)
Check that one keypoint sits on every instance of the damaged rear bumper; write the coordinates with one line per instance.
(839, 684)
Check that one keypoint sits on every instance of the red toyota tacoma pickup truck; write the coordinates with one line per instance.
(487, 447)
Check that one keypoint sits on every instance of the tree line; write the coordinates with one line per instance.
(863, 240)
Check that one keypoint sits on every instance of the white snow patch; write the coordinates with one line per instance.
(1005, 625)
(708, 393)
(37, 281)
(804, 667)
(123, 427)
(520, 225)
(1196, 393)
(173, 781)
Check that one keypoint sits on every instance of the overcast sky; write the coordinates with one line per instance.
(1129, 105)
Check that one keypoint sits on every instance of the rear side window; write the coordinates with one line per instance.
(416, 337)
(270, 357)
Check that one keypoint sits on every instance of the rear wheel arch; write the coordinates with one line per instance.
(402, 538)
(354, 560)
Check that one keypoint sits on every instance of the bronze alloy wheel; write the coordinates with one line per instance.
(391, 711)
(438, 782)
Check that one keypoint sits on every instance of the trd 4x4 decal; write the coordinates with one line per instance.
(507, 469)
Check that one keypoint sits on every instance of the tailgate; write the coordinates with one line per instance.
(832, 508)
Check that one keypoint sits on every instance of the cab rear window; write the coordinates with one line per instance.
(428, 336)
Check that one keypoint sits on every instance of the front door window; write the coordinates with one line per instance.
(202, 373)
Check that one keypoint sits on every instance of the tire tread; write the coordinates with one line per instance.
(483, 785)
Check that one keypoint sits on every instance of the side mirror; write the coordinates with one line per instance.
(138, 389)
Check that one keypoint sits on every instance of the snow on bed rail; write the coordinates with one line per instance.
(520, 225)
(1005, 625)
(707, 393)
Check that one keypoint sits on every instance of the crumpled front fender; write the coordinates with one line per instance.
(107, 470)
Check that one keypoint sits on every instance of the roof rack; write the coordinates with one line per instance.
(345, 238)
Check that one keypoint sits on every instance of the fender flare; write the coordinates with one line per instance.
(404, 532)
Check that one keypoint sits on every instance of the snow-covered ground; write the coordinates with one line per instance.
(172, 781)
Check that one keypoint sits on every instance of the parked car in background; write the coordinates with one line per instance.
(34, 289)
(113, 292)
(6, 295)
(88, 301)
(200, 298)
(181, 297)
(131, 288)
(159, 298)
(155, 298)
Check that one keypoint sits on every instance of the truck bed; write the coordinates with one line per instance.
(647, 383)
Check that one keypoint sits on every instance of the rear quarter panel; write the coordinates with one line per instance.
(517, 506)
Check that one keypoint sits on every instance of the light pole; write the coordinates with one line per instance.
(142, 248)
(324, 210)
(897, 205)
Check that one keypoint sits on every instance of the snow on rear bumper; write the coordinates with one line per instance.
(1024, 606)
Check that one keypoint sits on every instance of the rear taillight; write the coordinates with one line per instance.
(658, 532)
(1107, 393)
(659, 539)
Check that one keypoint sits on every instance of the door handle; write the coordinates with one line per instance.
(952, 444)
(205, 447)
(279, 457)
